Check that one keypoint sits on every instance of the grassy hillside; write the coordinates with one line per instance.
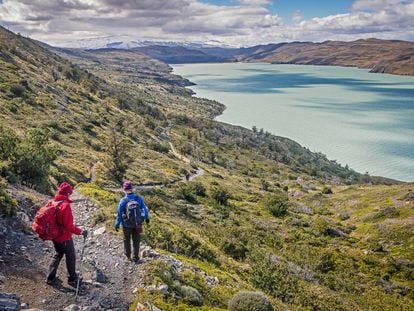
(264, 213)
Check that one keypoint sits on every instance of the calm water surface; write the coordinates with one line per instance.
(358, 118)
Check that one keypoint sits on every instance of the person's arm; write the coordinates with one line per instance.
(67, 219)
(144, 208)
(119, 214)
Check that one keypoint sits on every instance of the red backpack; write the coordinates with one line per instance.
(45, 224)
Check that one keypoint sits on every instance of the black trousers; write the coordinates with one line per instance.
(134, 234)
(66, 248)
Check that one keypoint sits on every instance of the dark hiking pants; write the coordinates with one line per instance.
(135, 235)
(66, 248)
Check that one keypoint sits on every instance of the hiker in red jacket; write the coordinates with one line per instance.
(64, 244)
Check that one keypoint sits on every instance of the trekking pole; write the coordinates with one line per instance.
(80, 267)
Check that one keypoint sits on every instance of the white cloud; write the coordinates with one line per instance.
(374, 4)
(246, 22)
(297, 16)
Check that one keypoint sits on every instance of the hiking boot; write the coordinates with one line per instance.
(74, 281)
(137, 261)
(53, 282)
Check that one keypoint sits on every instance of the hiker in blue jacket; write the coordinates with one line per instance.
(132, 211)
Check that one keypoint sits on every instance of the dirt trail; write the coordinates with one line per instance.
(24, 260)
(190, 177)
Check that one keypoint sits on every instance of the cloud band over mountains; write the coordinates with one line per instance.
(243, 22)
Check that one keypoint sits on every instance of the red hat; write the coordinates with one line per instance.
(127, 186)
(65, 189)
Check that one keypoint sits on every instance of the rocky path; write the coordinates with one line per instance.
(109, 280)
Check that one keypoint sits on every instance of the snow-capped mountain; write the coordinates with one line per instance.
(125, 42)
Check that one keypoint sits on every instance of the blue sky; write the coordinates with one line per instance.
(90, 23)
(308, 8)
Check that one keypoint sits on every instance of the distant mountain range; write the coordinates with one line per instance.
(383, 56)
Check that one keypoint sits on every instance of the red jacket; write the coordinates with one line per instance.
(64, 218)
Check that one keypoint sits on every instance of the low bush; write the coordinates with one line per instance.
(235, 249)
(272, 276)
(8, 205)
(27, 159)
(250, 301)
(17, 90)
(172, 239)
(277, 204)
(34, 156)
(185, 192)
(191, 295)
(190, 190)
(326, 190)
(220, 195)
(161, 148)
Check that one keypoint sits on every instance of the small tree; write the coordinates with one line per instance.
(118, 157)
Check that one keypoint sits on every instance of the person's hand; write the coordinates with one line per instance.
(116, 228)
(147, 221)
(84, 232)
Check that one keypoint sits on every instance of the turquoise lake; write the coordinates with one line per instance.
(358, 118)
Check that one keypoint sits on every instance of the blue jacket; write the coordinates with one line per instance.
(121, 208)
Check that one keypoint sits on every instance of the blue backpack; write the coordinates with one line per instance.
(133, 217)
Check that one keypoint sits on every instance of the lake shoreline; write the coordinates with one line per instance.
(200, 89)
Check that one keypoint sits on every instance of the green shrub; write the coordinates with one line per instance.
(191, 295)
(34, 156)
(172, 239)
(277, 204)
(153, 202)
(220, 195)
(235, 249)
(326, 190)
(156, 146)
(344, 216)
(8, 205)
(8, 145)
(199, 188)
(326, 263)
(272, 276)
(321, 226)
(17, 90)
(264, 185)
(186, 192)
(189, 191)
(28, 159)
(250, 301)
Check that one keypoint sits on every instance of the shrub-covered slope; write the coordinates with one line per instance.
(261, 214)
